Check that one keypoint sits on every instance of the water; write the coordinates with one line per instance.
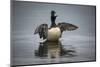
(73, 46)
(27, 49)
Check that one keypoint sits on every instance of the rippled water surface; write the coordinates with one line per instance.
(29, 50)
(73, 46)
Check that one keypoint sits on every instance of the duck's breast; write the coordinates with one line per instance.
(54, 34)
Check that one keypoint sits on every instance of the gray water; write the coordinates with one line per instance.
(25, 49)
(73, 46)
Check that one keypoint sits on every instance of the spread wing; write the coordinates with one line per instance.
(42, 31)
(67, 26)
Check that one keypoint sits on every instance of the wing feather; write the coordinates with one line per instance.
(67, 26)
(42, 31)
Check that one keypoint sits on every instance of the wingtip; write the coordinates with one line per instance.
(77, 27)
(35, 33)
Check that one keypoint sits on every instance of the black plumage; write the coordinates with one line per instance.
(42, 30)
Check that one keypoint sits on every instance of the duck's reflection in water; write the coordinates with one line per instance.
(53, 50)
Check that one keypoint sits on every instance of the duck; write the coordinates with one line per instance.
(54, 32)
